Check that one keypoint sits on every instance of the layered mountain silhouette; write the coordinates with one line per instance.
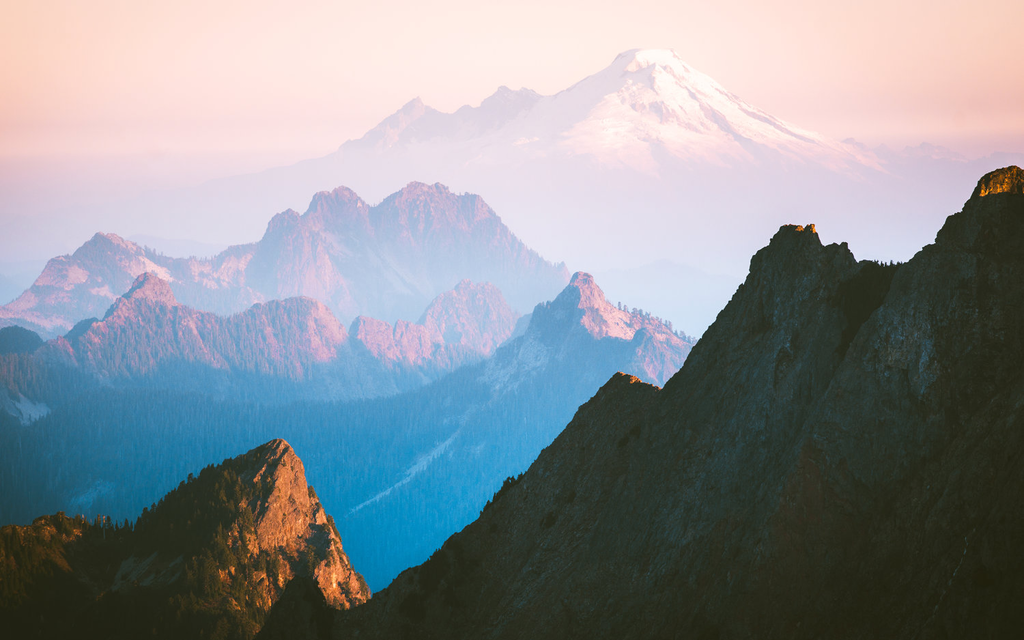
(400, 473)
(386, 261)
(209, 560)
(277, 351)
(838, 457)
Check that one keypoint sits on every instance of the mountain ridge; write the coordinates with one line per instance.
(838, 457)
(212, 556)
(295, 346)
(386, 261)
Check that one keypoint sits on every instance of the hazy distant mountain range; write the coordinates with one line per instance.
(279, 350)
(386, 262)
(163, 386)
(645, 160)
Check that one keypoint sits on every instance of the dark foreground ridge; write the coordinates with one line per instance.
(208, 561)
(840, 456)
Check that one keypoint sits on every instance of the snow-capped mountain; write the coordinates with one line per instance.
(645, 161)
(645, 104)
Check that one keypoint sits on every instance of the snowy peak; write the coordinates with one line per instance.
(389, 131)
(651, 99)
(648, 107)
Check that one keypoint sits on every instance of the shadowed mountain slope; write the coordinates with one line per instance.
(840, 456)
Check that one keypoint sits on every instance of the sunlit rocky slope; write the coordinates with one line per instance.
(208, 561)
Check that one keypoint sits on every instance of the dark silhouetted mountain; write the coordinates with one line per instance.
(840, 456)
(208, 561)
(388, 261)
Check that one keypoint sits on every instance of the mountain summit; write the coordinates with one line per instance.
(387, 261)
(208, 560)
(646, 103)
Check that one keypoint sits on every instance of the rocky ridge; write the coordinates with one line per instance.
(838, 457)
(213, 555)
(581, 323)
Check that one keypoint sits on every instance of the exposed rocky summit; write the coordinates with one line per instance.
(580, 323)
(840, 456)
(211, 557)
(387, 261)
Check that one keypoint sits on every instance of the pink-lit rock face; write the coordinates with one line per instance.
(148, 334)
(656, 351)
(288, 517)
(147, 329)
(460, 326)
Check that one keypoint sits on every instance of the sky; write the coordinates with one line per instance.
(256, 82)
(106, 100)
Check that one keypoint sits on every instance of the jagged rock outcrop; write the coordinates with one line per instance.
(213, 555)
(840, 456)
(581, 324)
(387, 261)
(301, 612)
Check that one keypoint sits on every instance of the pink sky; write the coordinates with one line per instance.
(284, 81)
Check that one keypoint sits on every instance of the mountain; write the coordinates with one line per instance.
(658, 104)
(211, 557)
(18, 340)
(387, 261)
(457, 439)
(840, 456)
(275, 351)
(459, 326)
(400, 473)
(580, 325)
(643, 161)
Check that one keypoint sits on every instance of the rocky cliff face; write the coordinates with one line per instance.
(387, 261)
(213, 555)
(838, 457)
